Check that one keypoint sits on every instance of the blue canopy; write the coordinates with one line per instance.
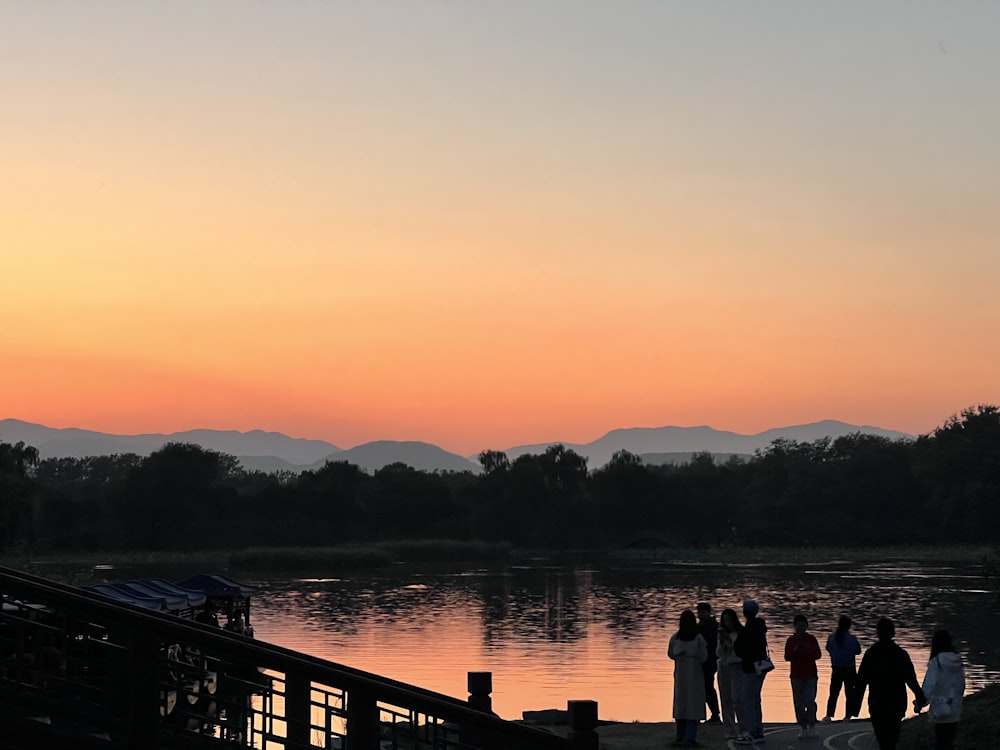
(216, 585)
(115, 591)
(195, 598)
(174, 602)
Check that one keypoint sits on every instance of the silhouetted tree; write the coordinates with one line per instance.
(959, 465)
(18, 459)
(169, 492)
(17, 491)
(857, 489)
(627, 498)
(493, 461)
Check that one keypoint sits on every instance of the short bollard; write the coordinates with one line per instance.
(480, 687)
(582, 717)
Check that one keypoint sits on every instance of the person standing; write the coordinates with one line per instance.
(802, 652)
(730, 671)
(236, 622)
(843, 647)
(689, 651)
(751, 647)
(708, 627)
(208, 616)
(944, 686)
(886, 671)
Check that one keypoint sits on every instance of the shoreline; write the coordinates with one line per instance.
(979, 728)
(458, 553)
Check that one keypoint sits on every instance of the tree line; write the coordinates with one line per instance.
(943, 487)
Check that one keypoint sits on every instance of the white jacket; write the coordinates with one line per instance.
(944, 684)
(725, 650)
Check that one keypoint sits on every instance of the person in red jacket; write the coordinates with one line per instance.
(802, 652)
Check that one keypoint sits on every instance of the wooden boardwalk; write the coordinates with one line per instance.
(79, 670)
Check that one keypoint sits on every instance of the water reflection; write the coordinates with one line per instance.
(550, 634)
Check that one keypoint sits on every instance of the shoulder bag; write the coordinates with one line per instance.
(765, 665)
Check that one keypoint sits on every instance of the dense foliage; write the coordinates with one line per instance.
(855, 490)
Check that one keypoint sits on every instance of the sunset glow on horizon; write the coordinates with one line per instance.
(491, 224)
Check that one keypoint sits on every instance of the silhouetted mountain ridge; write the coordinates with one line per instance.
(702, 439)
(73, 442)
(274, 451)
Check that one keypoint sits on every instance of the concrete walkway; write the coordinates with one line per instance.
(855, 735)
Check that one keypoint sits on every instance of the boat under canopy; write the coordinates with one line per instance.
(200, 597)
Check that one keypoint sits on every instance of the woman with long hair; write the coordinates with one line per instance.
(843, 648)
(944, 686)
(730, 670)
(689, 651)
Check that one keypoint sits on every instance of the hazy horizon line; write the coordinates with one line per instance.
(343, 448)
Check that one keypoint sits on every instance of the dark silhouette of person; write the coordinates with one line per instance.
(843, 648)
(751, 647)
(208, 617)
(886, 671)
(237, 623)
(708, 628)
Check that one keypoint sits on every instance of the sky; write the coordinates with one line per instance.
(497, 222)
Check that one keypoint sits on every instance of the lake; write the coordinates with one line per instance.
(550, 633)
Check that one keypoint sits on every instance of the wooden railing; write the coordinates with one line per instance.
(78, 669)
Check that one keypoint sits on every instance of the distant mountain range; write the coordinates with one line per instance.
(644, 441)
(75, 443)
(273, 451)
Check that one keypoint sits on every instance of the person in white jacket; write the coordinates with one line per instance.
(944, 686)
(689, 651)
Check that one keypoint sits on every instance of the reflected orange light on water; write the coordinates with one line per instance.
(550, 633)
(631, 678)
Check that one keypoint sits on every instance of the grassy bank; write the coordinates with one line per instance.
(336, 558)
(26, 560)
(980, 727)
(972, 554)
(319, 560)
(333, 559)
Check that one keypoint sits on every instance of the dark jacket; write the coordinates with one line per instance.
(887, 671)
(751, 646)
(709, 630)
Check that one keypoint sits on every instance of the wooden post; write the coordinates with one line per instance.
(298, 706)
(362, 720)
(142, 683)
(480, 687)
(582, 724)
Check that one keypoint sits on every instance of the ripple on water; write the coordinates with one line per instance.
(553, 634)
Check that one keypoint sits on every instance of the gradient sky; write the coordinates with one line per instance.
(482, 224)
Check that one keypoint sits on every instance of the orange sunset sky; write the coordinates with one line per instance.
(483, 224)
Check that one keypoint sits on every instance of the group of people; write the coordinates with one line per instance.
(236, 621)
(736, 653)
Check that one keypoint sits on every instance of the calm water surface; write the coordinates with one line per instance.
(553, 633)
